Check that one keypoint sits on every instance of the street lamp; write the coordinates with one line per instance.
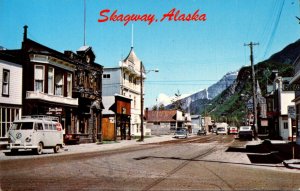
(142, 98)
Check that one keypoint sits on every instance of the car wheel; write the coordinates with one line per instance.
(39, 150)
(56, 149)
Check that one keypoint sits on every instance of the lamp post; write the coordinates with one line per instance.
(142, 98)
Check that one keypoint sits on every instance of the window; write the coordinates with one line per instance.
(59, 82)
(69, 85)
(38, 126)
(5, 83)
(285, 125)
(50, 80)
(39, 78)
(106, 75)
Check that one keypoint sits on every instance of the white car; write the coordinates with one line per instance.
(180, 133)
(221, 131)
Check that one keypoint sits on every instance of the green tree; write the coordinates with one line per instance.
(161, 107)
(177, 102)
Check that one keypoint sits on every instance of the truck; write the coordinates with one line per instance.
(245, 132)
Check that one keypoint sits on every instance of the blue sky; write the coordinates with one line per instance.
(190, 55)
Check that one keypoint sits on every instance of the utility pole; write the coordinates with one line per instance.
(251, 44)
(142, 103)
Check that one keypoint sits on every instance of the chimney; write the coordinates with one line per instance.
(25, 32)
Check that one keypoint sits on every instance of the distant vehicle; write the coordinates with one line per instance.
(221, 131)
(245, 132)
(214, 130)
(223, 126)
(201, 132)
(36, 133)
(233, 130)
(181, 133)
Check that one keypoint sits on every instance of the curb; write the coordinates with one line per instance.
(291, 164)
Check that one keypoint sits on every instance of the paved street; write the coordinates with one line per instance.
(163, 163)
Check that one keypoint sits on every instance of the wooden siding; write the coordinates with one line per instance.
(15, 83)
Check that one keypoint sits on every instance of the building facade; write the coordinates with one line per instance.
(164, 121)
(295, 84)
(116, 118)
(66, 85)
(10, 91)
(126, 80)
(279, 99)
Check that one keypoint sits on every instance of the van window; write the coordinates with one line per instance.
(47, 126)
(38, 126)
(52, 126)
(23, 126)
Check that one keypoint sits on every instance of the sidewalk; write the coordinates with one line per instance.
(111, 145)
(283, 151)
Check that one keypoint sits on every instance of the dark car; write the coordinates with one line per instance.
(201, 132)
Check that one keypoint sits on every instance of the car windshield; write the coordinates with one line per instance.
(180, 132)
(22, 126)
(245, 128)
(221, 129)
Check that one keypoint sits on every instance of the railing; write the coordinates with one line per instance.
(51, 98)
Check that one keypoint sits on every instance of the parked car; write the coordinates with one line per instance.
(214, 130)
(245, 132)
(221, 131)
(181, 133)
(233, 130)
(201, 132)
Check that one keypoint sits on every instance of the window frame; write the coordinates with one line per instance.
(5, 83)
(51, 85)
(69, 84)
(106, 76)
(39, 80)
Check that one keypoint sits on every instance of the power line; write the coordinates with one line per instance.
(271, 38)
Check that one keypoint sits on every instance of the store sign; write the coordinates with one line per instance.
(55, 111)
(290, 87)
(292, 111)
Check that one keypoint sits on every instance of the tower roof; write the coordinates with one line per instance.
(132, 58)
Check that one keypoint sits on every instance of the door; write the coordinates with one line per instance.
(108, 129)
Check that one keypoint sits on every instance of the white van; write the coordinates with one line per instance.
(36, 133)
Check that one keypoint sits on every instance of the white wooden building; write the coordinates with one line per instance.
(125, 80)
(10, 91)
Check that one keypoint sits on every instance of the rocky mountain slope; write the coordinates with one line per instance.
(231, 104)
